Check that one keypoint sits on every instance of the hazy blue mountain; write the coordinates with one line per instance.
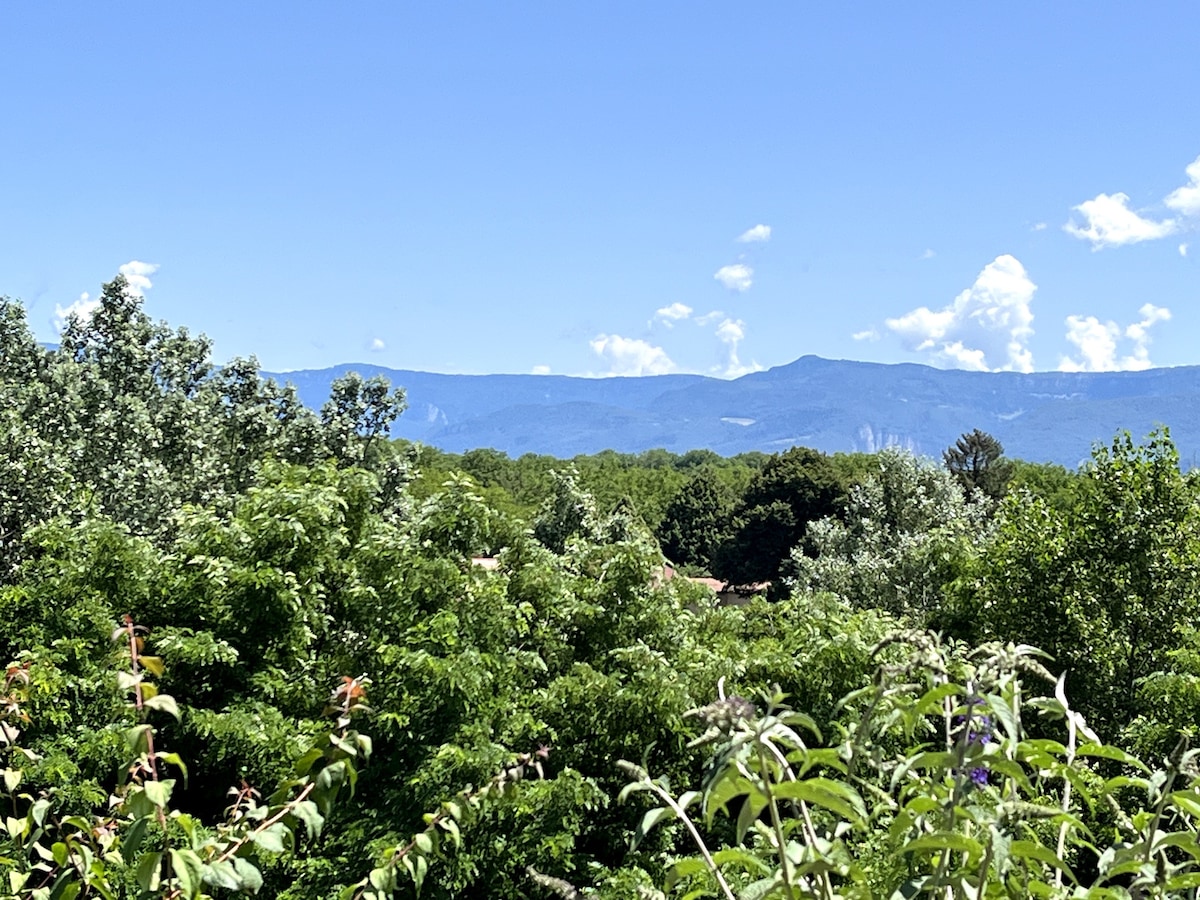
(826, 404)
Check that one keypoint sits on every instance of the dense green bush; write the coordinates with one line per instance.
(266, 552)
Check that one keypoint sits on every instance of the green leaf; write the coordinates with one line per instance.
(1187, 801)
(221, 875)
(189, 869)
(649, 820)
(306, 811)
(137, 740)
(177, 761)
(1105, 751)
(159, 792)
(942, 841)
(39, 810)
(756, 890)
(833, 795)
(272, 839)
(1034, 850)
(684, 868)
(305, 763)
(163, 703)
(248, 874)
(1183, 882)
(132, 837)
(149, 870)
(383, 880)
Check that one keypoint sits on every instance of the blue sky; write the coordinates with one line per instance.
(616, 188)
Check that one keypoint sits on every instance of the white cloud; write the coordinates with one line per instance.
(541, 370)
(759, 234)
(732, 332)
(986, 327)
(1183, 248)
(1186, 200)
(737, 277)
(1040, 226)
(377, 345)
(669, 315)
(1109, 222)
(138, 274)
(630, 356)
(928, 254)
(867, 334)
(81, 309)
(1097, 342)
(708, 318)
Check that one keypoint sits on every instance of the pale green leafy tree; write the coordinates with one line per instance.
(906, 532)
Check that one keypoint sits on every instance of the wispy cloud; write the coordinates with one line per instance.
(1186, 200)
(867, 334)
(985, 328)
(540, 370)
(737, 277)
(1039, 226)
(731, 332)
(631, 356)
(928, 254)
(759, 234)
(1183, 248)
(377, 345)
(708, 318)
(1097, 342)
(669, 315)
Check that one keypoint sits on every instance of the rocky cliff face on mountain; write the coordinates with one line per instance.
(830, 405)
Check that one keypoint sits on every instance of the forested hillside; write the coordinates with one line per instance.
(256, 648)
(830, 405)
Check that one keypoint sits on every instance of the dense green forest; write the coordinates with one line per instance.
(252, 649)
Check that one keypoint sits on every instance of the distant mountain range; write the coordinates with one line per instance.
(826, 404)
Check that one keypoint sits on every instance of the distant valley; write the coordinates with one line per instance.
(830, 405)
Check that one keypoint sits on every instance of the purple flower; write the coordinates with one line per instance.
(981, 732)
(979, 776)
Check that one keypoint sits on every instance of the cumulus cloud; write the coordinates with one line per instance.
(985, 328)
(737, 277)
(630, 356)
(377, 345)
(138, 274)
(1109, 222)
(759, 234)
(1097, 342)
(1183, 248)
(1186, 200)
(731, 331)
(669, 315)
(81, 309)
(867, 334)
